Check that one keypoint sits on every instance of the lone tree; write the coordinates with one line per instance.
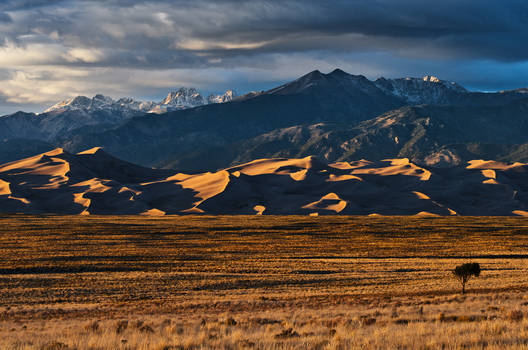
(465, 271)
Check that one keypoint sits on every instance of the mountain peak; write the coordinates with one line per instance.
(81, 102)
(428, 89)
(76, 102)
(184, 97)
(227, 96)
(313, 75)
(301, 84)
(184, 91)
(431, 79)
(338, 72)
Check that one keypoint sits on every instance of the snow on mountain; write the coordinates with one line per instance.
(127, 102)
(98, 102)
(182, 98)
(428, 89)
(228, 96)
(73, 103)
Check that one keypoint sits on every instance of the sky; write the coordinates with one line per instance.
(54, 49)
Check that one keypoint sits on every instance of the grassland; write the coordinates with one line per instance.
(224, 282)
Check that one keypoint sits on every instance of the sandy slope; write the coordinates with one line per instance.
(93, 182)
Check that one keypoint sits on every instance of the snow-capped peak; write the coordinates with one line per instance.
(99, 101)
(184, 98)
(431, 79)
(81, 102)
(69, 103)
(429, 89)
(181, 98)
(229, 95)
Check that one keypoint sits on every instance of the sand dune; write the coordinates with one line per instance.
(259, 209)
(4, 188)
(491, 164)
(206, 185)
(280, 166)
(94, 182)
(329, 202)
(396, 167)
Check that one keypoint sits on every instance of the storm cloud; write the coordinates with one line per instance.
(54, 49)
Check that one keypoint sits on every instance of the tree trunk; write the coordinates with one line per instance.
(463, 287)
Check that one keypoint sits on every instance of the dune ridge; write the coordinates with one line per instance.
(94, 182)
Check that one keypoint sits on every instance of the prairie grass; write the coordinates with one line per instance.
(224, 282)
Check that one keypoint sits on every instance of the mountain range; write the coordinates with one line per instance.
(337, 117)
(38, 132)
(94, 182)
(182, 98)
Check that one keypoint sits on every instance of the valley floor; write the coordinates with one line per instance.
(293, 282)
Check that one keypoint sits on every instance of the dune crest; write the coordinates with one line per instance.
(396, 167)
(491, 164)
(421, 195)
(427, 214)
(153, 212)
(92, 150)
(93, 182)
(278, 166)
(341, 165)
(330, 202)
(346, 177)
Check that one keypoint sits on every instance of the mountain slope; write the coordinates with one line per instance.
(343, 96)
(313, 98)
(361, 118)
(429, 135)
(93, 182)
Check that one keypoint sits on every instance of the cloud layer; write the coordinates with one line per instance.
(55, 49)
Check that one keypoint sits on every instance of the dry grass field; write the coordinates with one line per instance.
(240, 282)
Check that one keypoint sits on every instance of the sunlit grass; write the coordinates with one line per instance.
(287, 282)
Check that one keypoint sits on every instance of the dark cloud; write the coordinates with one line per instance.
(13, 5)
(480, 43)
(452, 28)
